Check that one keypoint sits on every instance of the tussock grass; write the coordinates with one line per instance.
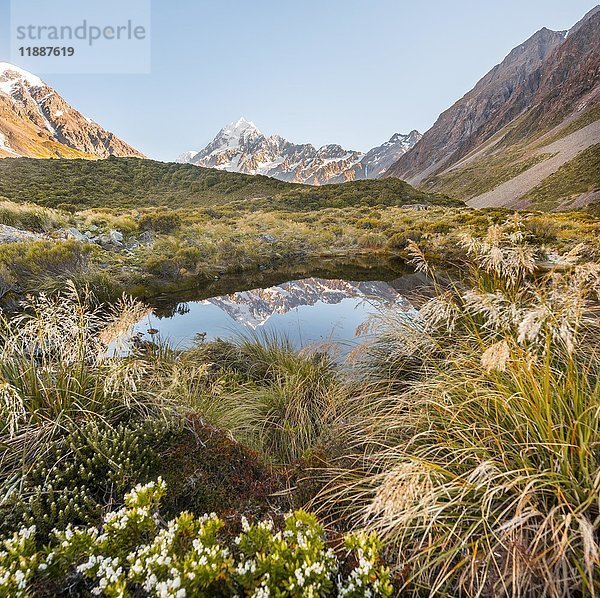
(56, 371)
(284, 400)
(482, 471)
(30, 216)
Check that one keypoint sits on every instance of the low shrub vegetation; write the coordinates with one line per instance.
(31, 217)
(188, 556)
(33, 266)
(456, 453)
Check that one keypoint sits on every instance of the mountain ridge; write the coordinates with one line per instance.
(507, 125)
(241, 147)
(457, 128)
(37, 122)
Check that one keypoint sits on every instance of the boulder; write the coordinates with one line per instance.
(10, 234)
(146, 237)
(415, 206)
(116, 237)
(74, 233)
(267, 238)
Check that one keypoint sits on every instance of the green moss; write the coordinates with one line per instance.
(207, 471)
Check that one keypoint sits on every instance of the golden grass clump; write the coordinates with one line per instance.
(290, 398)
(59, 364)
(482, 471)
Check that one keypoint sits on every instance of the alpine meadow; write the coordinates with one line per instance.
(273, 368)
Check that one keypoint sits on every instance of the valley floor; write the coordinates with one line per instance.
(456, 453)
(149, 251)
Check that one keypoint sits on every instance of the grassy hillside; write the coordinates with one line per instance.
(580, 175)
(484, 174)
(136, 183)
(125, 182)
(514, 150)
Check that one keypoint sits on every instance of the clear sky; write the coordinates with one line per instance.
(351, 72)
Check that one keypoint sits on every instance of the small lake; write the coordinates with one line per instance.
(312, 312)
(322, 311)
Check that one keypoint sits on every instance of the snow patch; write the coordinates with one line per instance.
(10, 75)
(4, 145)
(186, 157)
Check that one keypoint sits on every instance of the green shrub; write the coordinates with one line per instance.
(401, 240)
(171, 259)
(163, 267)
(160, 222)
(27, 266)
(72, 481)
(369, 223)
(134, 552)
(542, 229)
(438, 228)
(372, 241)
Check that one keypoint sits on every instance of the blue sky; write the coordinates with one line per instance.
(351, 72)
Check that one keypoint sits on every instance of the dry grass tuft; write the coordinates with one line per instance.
(482, 471)
(56, 369)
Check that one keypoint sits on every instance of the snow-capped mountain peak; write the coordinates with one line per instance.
(379, 159)
(11, 76)
(239, 129)
(186, 157)
(36, 121)
(241, 125)
(409, 140)
(242, 147)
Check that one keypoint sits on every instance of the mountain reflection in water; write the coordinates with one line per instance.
(307, 312)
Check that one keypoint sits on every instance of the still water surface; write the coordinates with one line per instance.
(310, 312)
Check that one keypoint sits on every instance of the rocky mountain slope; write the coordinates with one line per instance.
(545, 90)
(35, 121)
(241, 147)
